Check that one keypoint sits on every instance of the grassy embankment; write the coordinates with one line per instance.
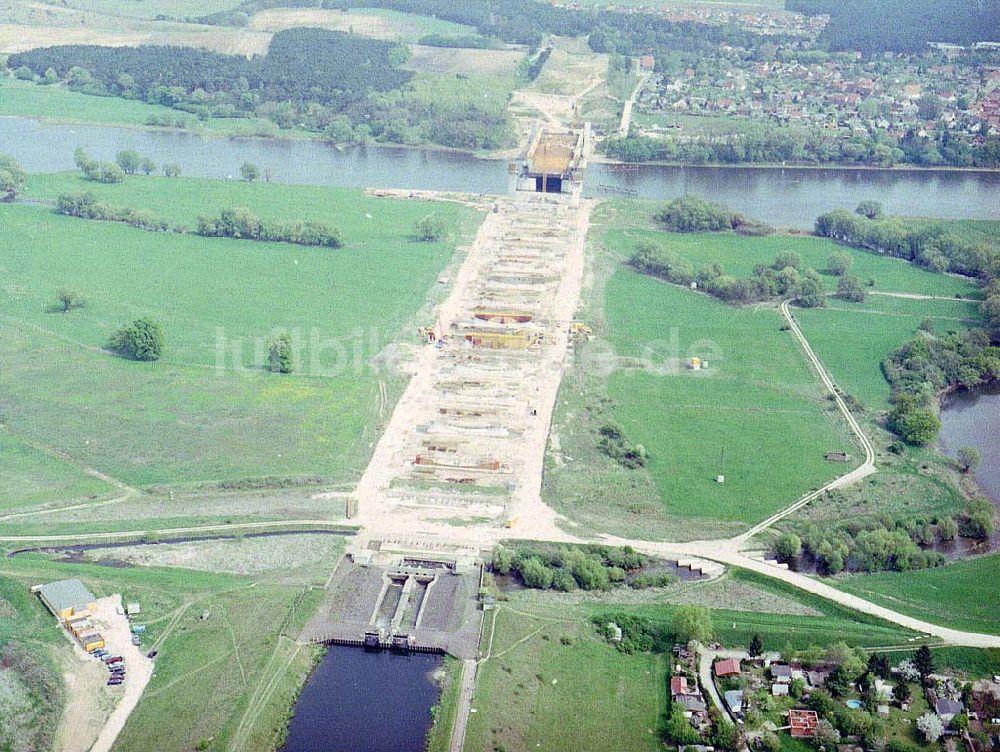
(439, 737)
(60, 104)
(31, 477)
(189, 418)
(230, 678)
(962, 595)
(28, 719)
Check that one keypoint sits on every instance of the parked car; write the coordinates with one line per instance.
(114, 682)
(114, 659)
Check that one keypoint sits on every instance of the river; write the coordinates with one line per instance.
(973, 419)
(791, 197)
(361, 701)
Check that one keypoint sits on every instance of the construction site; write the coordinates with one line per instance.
(467, 438)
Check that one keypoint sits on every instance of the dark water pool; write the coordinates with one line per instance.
(973, 419)
(360, 701)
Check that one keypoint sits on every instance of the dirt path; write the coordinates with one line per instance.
(630, 103)
(863, 470)
(464, 706)
(87, 703)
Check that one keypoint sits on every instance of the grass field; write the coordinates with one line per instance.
(147, 8)
(756, 417)
(535, 692)
(738, 255)
(962, 595)
(210, 674)
(190, 417)
(371, 22)
(21, 98)
(852, 341)
(30, 476)
(758, 404)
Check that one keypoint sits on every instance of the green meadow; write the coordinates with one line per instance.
(56, 102)
(207, 411)
(755, 416)
(962, 595)
(738, 255)
(852, 340)
(534, 691)
(30, 476)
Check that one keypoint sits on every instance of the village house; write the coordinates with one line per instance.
(727, 667)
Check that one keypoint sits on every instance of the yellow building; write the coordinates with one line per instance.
(66, 598)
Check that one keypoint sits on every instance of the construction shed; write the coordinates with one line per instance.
(66, 598)
(92, 642)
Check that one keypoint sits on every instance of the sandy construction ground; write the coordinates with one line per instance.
(95, 713)
(139, 669)
(456, 60)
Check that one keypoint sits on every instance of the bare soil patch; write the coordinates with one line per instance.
(459, 60)
(236, 556)
(279, 19)
(18, 38)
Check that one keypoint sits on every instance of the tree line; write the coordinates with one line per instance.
(785, 278)
(568, 568)
(770, 144)
(243, 224)
(301, 65)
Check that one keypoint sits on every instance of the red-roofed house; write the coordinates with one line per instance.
(802, 723)
(727, 667)
(678, 686)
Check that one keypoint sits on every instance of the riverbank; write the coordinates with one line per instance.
(601, 159)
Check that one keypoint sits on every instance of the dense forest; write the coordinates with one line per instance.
(902, 25)
(347, 87)
(302, 65)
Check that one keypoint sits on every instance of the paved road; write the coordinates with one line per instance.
(728, 552)
(464, 705)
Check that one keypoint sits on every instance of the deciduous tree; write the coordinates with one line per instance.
(692, 623)
(12, 177)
